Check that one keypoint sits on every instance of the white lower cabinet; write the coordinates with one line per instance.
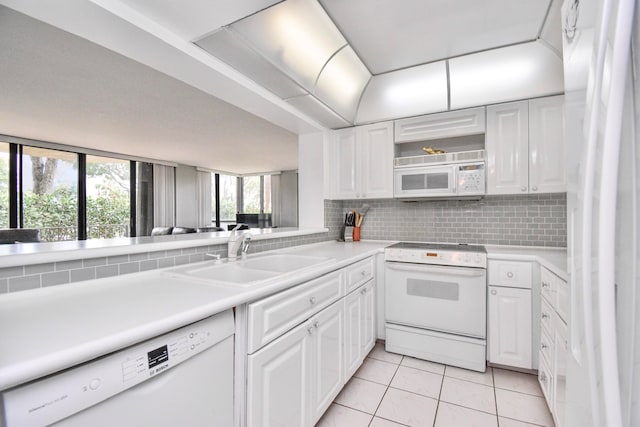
(360, 326)
(510, 326)
(292, 379)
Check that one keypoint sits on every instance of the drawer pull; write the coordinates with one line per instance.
(316, 324)
(510, 275)
(312, 300)
(494, 292)
(310, 330)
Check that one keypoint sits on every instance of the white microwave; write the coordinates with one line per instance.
(459, 180)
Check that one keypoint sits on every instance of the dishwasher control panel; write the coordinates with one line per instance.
(56, 397)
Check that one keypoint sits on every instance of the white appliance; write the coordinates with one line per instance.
(441, 175)
(603, 211)
(435, 304)
(184, 377)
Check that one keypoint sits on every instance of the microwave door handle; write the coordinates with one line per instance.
(421, 268)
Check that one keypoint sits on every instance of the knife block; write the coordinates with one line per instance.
(348, 234)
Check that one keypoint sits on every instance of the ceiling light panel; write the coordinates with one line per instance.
(515, 72)
(390, 35)
(224, 45)
(341, 83)
(295, 35)
(410, 92)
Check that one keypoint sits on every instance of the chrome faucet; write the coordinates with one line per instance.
(238, 239)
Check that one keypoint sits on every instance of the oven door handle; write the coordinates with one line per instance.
(458, 271)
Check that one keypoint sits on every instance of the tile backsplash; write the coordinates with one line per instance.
(522, 220)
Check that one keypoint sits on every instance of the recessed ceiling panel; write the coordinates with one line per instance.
(515, 72)
(224, 45)
(341, 83)
(389, 34)
(296, 36)
(410, 92)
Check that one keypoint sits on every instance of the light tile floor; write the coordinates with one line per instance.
(390, 390)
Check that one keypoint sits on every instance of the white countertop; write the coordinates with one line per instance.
(46, 330)
(44, 252)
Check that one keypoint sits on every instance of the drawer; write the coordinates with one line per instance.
(562, 301)
(548, 285)
(512, 274)
(271, 317)
(546, 316)
(546, 347)
(359, 273)
(546, 382)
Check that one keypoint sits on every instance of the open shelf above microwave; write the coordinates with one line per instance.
(440, 159)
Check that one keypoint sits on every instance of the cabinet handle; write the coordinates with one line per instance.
(545, 285)
(543, 346)
(363, 272)
(316, 324)
(523, 189)
(534, 188)
(545, 316)
(364, 291)
(310, 330)
(510, 275)
(312, 300)
(494, 292)
(543, 377)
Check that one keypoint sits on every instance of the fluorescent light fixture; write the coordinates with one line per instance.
(296, 36)
(410, 92)
(341, 83)
(515, 72)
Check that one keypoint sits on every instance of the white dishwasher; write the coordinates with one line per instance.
(182, 378)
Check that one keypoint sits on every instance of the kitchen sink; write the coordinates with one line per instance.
(249, 271)
(282, 263)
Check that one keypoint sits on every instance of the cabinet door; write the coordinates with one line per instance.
(510, 326)
(353, 332)
(368, 297)
(375, 160)
(344, 160)
(546, 145)
(279, 381)
(327, 353)
(507, 146)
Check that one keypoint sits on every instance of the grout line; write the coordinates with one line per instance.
(525, 422)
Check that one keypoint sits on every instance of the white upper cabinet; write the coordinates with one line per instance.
(507, 148)
(361, 162)
(525, 147)
(441, 125)
(546, 145)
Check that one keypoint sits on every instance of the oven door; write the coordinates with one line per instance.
(446, 299)
(432, 181)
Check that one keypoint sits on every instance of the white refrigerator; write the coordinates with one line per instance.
(601, 62)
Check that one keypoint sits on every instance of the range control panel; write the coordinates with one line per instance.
(58, 396)
(436, 256)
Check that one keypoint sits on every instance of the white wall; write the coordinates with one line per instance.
(311, 180)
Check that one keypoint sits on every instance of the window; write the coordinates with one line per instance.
(49, 199)
(4, 185)
(228, 198)
(251, 192)
(108, 197)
